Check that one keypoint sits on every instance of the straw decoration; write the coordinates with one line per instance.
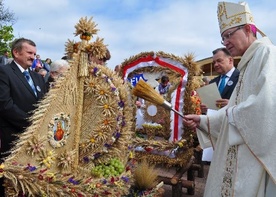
(42, 165)
(145, 91)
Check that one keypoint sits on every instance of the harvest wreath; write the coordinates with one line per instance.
(78, 143)
(171, 144)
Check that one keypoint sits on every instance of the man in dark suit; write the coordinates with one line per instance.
(223, 64)
(17, 94)
(228, 77)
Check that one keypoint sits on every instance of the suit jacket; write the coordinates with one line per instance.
(17, 101)
(3, 60)
(227, 91)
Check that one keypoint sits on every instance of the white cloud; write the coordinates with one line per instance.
(131, 26)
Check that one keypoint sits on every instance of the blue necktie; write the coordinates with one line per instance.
(30, 81)
(222, 84)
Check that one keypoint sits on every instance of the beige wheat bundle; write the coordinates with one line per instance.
(145, 91)
(145, 176)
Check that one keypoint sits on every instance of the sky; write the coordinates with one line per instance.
(129, 27)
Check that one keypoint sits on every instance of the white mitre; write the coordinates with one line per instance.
(233, 15)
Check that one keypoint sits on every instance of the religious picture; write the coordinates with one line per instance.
(58, 130)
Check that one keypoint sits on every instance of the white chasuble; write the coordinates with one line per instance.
(244, 160)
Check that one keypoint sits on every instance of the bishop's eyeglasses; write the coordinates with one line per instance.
(228, 35)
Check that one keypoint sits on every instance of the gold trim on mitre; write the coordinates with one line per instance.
(233, 15)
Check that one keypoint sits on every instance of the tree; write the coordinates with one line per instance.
(6, 16)
(6, 36)
(6, 31)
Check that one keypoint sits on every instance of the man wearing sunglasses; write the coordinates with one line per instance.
(243, 132)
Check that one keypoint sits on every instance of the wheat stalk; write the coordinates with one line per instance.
(145, 91)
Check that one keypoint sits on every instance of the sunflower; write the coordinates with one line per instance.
(35, 146)
(108, 124)
(108, 107)
(103, 93)
(91, 85)
(66, 159)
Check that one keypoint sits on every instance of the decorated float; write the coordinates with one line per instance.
(78, 143)
(83, 136)
(160, 136)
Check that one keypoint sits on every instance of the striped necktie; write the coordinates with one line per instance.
(30, 81)
(222, 83)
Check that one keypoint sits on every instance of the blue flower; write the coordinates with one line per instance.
(121, 104)
(95, 70)
(86, 159)
(125, 179)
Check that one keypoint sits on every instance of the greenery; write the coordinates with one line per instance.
(7, 19)
(6, 36)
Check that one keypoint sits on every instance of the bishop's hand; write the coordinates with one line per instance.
(192, 121)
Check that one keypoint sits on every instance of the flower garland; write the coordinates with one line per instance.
(104, 138)
(43, 182)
